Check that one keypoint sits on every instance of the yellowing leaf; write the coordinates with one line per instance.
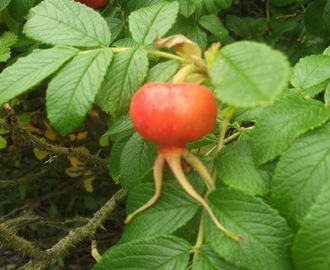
(75, 163)
(72, 137)
(88, 181)
(33, 129)
(49, 133)
(82, 135)
(73, 172)
(182, 45)
(39, 153)
(211, 53)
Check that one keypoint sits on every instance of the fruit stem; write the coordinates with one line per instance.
(186, 70)
(173, 159)
(158, 177)
(199, 240)
(200, 168)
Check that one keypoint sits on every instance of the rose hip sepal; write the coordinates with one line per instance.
(172, 115)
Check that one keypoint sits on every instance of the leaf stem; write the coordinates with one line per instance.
(153, 52)
(165, 55)
(221, 139)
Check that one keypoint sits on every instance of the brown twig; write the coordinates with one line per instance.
(27, 178)
(9, 239)
(35, 141)
(41, 259)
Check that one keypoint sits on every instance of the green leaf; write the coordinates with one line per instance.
(116, 26)
(3, 143)
(327, 51)
(310, 72)
(59, 22)
(163, 72)
(172, 210)
(120, 127)
(327, 93)
(126, 73)
(246, 74)
(279, 125)
(317, 18)
(165, 253)
(311, 247)
(208, 259)
(197, 35)
(281, 3)
(133, 5)
(28, 71)
(236, 168)
(211, 6)
(223, 4)
(188, 7)
(137, 159)
(4, 4)
(213, 24)
(6, 40)
(151, 22)
(267, 238)
(114, 158)
(72, 91)
(301, 173)
(18, 9)
(243, 27)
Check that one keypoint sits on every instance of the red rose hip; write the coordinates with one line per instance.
(172, 115)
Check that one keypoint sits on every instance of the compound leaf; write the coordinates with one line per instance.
(167, 252)
(126, 73)
(236, 168)
(72, 91)
(151, 22)
(137, 159)
(171, 211)
(311, 247)
(28, 71)
(279, 125)
(267, 238)
(59, 22)
(246, 74)
(208, 259)
(302, 171)
(310, 72)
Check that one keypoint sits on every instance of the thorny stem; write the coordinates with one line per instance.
(173, 159)
(40, 259)
(158, 177)
(53, 149)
